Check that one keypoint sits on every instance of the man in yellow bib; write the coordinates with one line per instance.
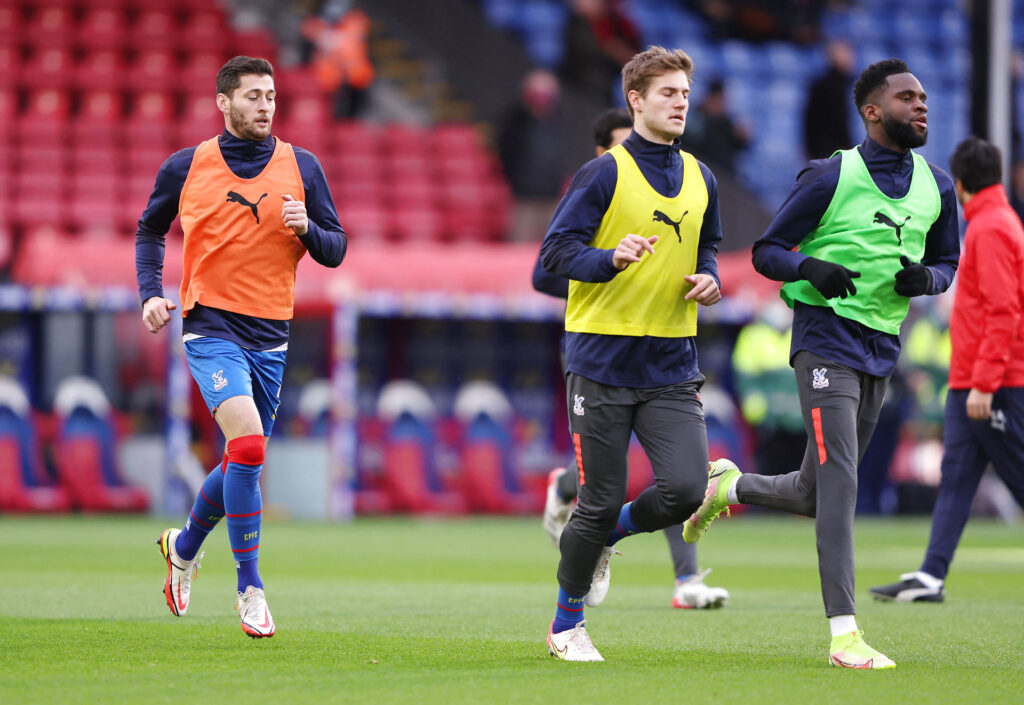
(637, 235)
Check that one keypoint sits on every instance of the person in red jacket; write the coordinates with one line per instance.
(984, 420)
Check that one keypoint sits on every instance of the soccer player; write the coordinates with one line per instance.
(859, 234)
(612, 127)
(251, 206)
(985, 405)
(636, 234)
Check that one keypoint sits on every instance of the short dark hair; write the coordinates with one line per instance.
(977, 163)
(229, 78)
(609, 121)
(874, 77)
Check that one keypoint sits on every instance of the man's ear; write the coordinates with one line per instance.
(871, 113)
(223, 103)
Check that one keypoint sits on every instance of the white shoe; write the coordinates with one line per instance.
(602, 578)
(251, 606)
(692, 593)
(178, 585)
(572, 645)
(556, 510)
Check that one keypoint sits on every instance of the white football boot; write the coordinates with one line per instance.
(602, 578)
(556, 510)
(178, 585)
(251, 606)
(692, 594)
(572, 645)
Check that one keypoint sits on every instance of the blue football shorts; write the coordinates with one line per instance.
(223, 369)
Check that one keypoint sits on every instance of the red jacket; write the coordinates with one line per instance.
(986, 327)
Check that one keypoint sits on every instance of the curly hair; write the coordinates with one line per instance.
(874, 77)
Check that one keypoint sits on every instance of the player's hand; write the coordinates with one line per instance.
(914, 279)
(829, 278)
(704, 291)
(156, 313)
(630, 248)
(979, 405)
(294, 214)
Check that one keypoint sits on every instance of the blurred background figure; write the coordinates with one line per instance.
(599, 39)
(827, 112)
(712, 134)
(530, 147)
(767, 391)
(341, 56)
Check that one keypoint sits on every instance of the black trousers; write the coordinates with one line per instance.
(669, 423)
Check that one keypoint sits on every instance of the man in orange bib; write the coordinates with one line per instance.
(250, 207)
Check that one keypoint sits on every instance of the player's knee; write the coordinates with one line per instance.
(246, 450)
(681, 499)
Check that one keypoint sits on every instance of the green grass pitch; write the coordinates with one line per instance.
(420, 611)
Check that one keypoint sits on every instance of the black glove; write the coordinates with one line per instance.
(830, 279)
(914, 279)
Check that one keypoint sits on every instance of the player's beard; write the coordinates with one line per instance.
(903, 133)
(246, 130)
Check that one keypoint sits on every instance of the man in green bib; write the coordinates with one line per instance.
(859, 234)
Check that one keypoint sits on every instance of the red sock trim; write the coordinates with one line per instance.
(819, 436)
(224, 463)
(246, 450)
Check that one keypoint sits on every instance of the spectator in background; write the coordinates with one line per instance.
(768, 395)
(712, 135)
(341, 55)
(985, 404)
(599, 40)
(827, 113)
(530, 146)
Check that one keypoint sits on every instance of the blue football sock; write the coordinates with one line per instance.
(248, 574)
(569, 611)
(624, 526)
(243, 505)
(207, 510)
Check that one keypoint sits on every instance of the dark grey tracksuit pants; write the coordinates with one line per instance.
(669, 423)
(684, 555)
(840, 407)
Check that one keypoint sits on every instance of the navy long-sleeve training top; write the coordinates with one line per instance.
(640, 362)
(325, 239)
(818, 329)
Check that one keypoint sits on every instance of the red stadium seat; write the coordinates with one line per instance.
(100, 69)
(49, 25)
(48, 67)
(368, 223)
(101, 107)
(153, 69)
(95, 203)
(255, 42)
(356, 137)
(10, 61)
(202, 29)
(416, 224)
(101, 28)
(154, 28)
(90, 158)
(12, 22)
(198, 75)
(80, 467)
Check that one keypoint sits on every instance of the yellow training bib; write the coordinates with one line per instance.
(646, 298)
